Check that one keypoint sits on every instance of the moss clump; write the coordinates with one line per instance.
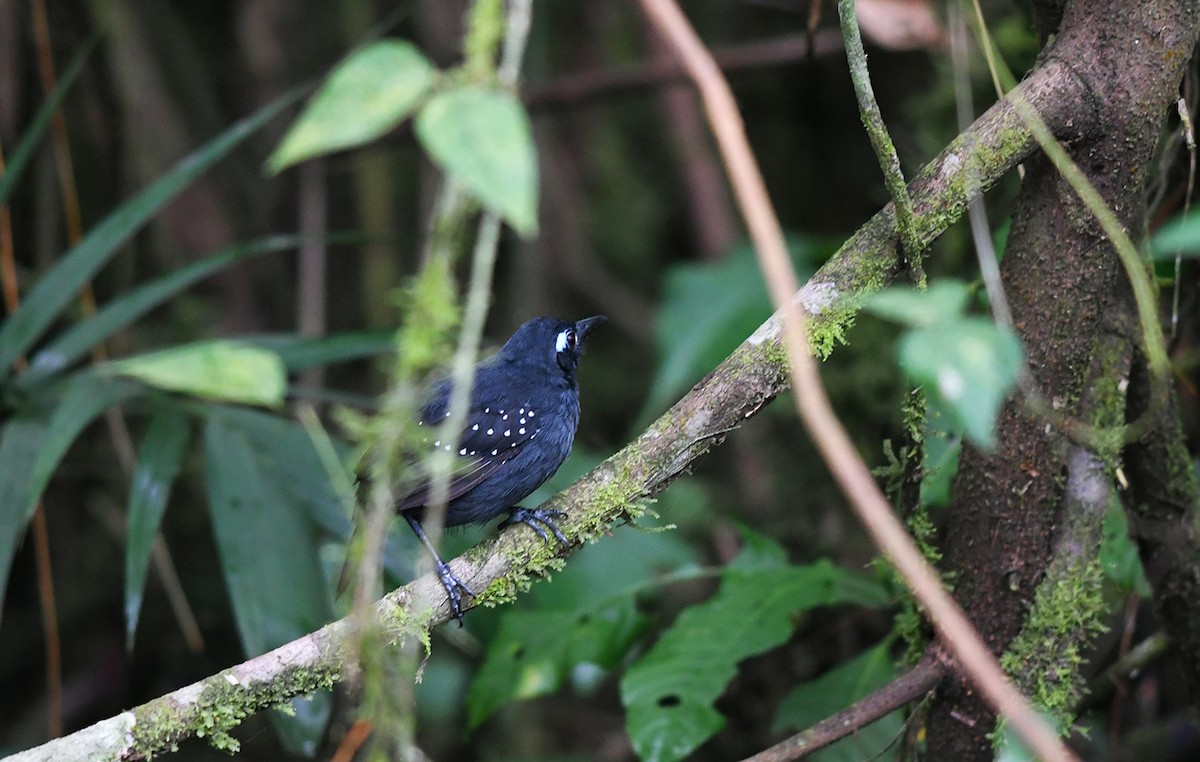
(221, 706)
(591, 519)
(1046, 657)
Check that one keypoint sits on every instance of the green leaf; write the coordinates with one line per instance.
(1118, 555)
(482, 139)
(669, 692)
(299, 352)
(85, 334)
(534, 652)
(967, 367)
(32, 135)
(269, 557)
(287, 451)
(217, 370)
(940, 465)
(367, 94)
(34, 443)
(942, 302)
(707, 310)
(285, 448)
(836, 690)
(1179, 236)
(59, 286)
(21, 440)
(86, 396)
(583, 624)
(158, 465)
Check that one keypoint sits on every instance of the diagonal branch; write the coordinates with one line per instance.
(502, 565)
(912, 685)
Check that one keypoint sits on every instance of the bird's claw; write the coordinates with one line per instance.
(455, 587)
(535, 519)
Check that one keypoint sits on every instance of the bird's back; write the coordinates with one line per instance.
(520, 425)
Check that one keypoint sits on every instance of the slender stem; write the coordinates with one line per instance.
(985, 252)
(910, 686)
(881, 141)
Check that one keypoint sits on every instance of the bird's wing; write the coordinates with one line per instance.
(492, 436)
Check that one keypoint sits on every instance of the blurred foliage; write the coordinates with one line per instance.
(753, 556)
(966, 365)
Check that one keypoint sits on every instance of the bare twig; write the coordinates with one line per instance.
(585, 87)
(910, 686)
(881, 141)
(826, 430)
(985, 252)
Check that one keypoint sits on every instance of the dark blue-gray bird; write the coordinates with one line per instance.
(521, 422)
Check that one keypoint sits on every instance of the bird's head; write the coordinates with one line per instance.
(551, 342)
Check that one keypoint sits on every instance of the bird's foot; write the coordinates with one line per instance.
(455, 587)
(536, 519)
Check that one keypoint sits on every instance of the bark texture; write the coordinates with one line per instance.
(1069, 294)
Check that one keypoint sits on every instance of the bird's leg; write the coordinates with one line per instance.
(455, 587)
(535, 519)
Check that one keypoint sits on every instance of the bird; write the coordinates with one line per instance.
(521, 421)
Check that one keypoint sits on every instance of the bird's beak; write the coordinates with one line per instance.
(585, 326)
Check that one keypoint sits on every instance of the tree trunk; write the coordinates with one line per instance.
(1070, 297)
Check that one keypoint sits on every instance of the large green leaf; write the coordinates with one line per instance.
(77, 340)
(481, 137)
(669, 693)
(707, 310)
(584, 623)
(834, 691)
(269, 556)
(534, 652)
(216, 370)
(34, 443)
(59, 286)
(366, 95)
(84, 398)
(32, 135)
(159, 459)
(284, 448)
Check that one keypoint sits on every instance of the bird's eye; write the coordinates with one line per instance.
(567, 340)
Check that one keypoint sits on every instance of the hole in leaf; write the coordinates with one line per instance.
(668, 701)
